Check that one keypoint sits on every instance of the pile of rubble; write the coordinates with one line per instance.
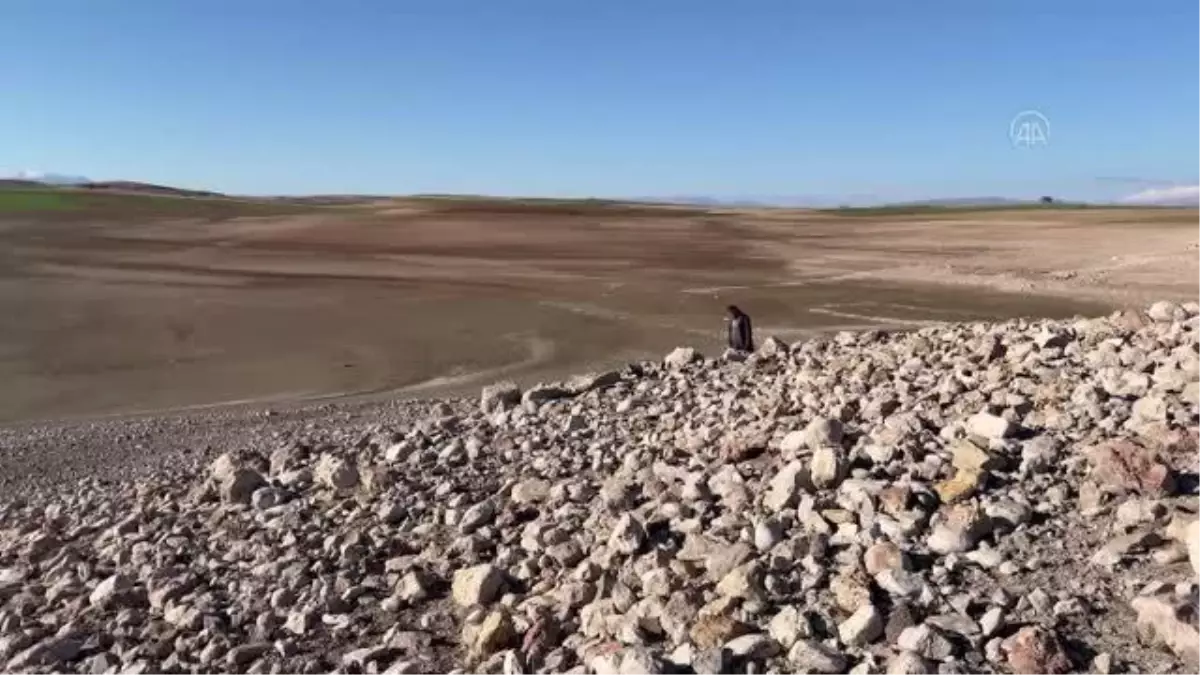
(1011, 497)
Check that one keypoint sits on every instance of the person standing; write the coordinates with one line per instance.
(741, 336)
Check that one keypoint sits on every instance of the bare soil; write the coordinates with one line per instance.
(104, 314)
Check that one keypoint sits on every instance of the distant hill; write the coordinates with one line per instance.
(37, 179)
(702, 201)
(826, 202)
(145, 188)
(963, 201)
(14, 183)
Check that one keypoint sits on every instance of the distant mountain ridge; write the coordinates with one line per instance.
(1181, 195)
(31, 179)
(826, 202)
(963, 201)
(146, 188)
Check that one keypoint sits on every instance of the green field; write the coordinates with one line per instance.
(34, 201)
(61, 203)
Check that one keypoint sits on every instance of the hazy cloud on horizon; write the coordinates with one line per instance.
(1176, 195)
(48, 177)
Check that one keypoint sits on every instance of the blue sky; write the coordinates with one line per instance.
(844, 100)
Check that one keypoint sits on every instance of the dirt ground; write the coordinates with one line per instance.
(113, 315)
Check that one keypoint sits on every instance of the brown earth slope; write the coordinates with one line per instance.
(115, 311)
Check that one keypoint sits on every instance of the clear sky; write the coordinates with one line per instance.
(833, 99)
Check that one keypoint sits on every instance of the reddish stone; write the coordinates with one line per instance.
(541, 638)
(1126, 466)
(894, 499)
(1181, 447)
(1034, 649)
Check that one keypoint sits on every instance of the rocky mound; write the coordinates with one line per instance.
(1016, 497)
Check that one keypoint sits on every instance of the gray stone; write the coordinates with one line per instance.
(627, 535)
(753, 646)
(477, 516)
(53, 651)
(810, 656)
(908, 663)
(926, 641)
(240, 484)
(823, 432)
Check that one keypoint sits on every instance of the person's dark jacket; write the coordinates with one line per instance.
(741, 336)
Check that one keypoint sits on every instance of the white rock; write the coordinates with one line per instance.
(743, 581)
(863, 627)
(988, 426)
(1163, 619)
(1192, 541)
(109, 590)
(827, 467)
(784, 488)
(478, 585)
(788, 626)
(823, 432)
(499, 396)
(681, 356)
(1164, 311)
(403, 668)
(793, 442)
(627, 535)
(926, 641)
(767, 533)
(336, 473)
(221, 468)
(530, 491)
(991, 621)
(391, 512)
(299, 622)
(477, 516)
(635, 660)
(754, 646)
